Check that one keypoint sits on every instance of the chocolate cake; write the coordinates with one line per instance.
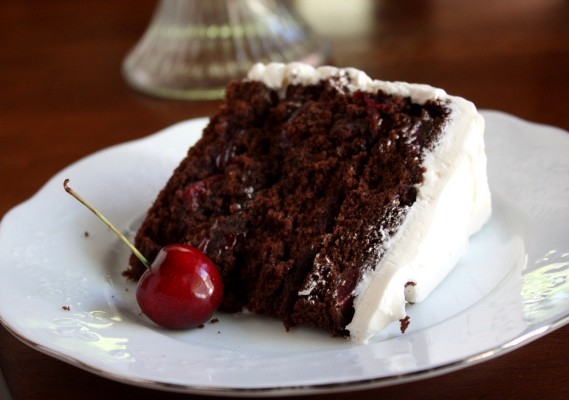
(327, 199)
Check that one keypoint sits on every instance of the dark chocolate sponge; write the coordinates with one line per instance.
(295, 194)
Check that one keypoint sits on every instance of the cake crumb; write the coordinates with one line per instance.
(66, 308)
(86, 234)
(201, 326)
(405, 322)
(214, 321)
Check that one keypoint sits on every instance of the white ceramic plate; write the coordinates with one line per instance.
(62, 293)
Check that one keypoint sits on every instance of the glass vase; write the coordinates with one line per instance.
(193, 48)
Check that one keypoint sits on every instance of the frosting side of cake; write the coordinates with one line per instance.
(452, 203)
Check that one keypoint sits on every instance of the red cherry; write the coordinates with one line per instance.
(181, 289)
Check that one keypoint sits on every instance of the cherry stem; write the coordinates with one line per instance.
(134, 250)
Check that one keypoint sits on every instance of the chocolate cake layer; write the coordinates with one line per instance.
(293, 195)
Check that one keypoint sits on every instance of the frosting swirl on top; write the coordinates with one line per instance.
(278, 76)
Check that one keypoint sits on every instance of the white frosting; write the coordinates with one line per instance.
(453, 202)
(277, 76)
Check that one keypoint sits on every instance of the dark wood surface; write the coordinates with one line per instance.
(62, 97)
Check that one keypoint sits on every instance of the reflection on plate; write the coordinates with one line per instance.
(62, 291)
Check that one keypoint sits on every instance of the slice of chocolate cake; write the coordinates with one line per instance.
(327, 199)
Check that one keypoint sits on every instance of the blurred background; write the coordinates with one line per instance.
(61, 62)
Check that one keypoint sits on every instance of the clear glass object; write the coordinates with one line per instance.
(193, 48)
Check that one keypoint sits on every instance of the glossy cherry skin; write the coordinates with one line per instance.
(181, 289)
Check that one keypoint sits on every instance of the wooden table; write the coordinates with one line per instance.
(62, 97)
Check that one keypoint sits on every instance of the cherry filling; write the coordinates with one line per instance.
(230, 150)
(223, 236)
(347, 281)
(375, 108)
(195, 193)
